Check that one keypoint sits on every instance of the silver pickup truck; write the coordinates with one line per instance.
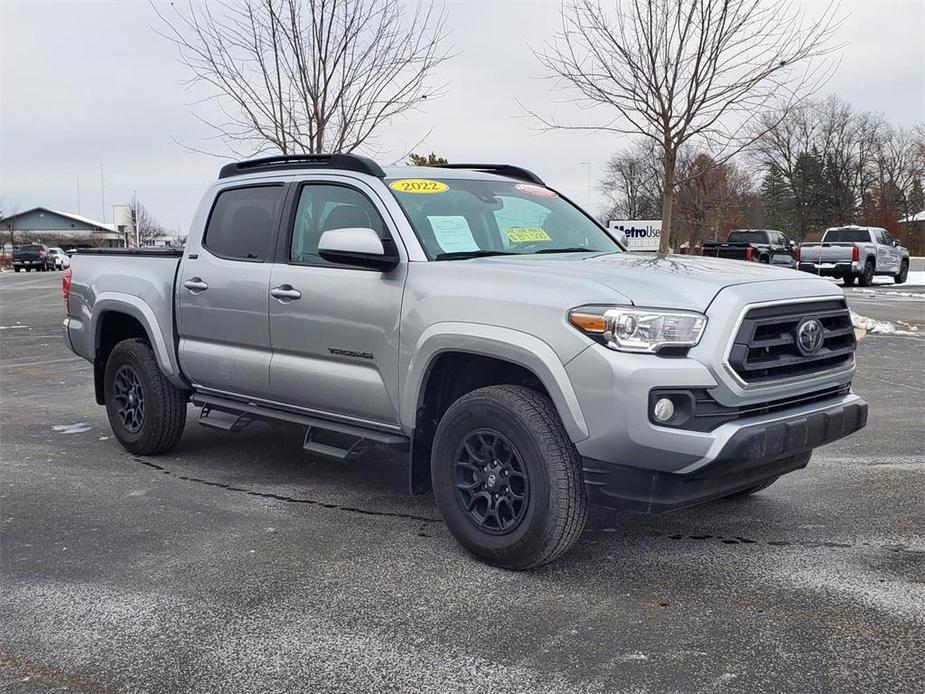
(475, 320)
(855, 253)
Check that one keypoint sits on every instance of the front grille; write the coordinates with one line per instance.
(765, 348)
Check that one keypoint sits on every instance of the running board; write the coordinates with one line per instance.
(245, 412)
(226, 421)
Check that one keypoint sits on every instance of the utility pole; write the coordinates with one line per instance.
(588, 193)
(102, 194)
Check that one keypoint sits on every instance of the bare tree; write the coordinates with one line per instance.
(9, 228)
(632, 183)
(307, 76)
(677, 71)
(711, 197)
(147, 228)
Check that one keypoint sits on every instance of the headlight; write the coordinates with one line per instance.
(639, 329)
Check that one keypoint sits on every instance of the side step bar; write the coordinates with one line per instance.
(233, 415)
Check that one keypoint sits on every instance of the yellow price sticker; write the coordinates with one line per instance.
(419, 185)
(524, 234)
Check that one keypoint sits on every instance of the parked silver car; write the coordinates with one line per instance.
(474, 319)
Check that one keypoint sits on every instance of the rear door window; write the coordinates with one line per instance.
(243, 223)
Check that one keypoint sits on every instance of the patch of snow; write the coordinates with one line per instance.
(14, 327)
(871, 292)
(877, 327)
(78, 428)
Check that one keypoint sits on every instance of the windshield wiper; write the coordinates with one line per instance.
(572, 249)
(463, 255)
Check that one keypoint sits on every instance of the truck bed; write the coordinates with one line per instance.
(139, 282)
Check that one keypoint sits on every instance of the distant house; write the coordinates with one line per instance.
(54, 228)
(913, 233)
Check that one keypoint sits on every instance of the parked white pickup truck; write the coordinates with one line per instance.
(854, 252)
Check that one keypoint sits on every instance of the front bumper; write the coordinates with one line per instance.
(746, 456)
(831, 269)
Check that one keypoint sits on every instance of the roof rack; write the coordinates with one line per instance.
(501, 169)
(347, 162)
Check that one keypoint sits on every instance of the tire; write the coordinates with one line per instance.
(866, 278)
(16, 269)
(764, 259)
(753, 490)
(848, 279)
(153, 410)
(900, 277)
(533, 465)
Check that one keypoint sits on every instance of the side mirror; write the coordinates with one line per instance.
(355, 246)
(896, 242)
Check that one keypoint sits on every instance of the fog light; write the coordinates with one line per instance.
(663, 410)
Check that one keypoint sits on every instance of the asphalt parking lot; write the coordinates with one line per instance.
(237, 563)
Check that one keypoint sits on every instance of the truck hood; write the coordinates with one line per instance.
(672, 281)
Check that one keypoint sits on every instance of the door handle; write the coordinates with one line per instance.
(284, 293)
(195, 285)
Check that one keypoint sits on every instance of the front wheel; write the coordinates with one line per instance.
(903, 273)
(146, 411)
(507, 479)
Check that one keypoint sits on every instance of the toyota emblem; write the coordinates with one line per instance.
(809, 336)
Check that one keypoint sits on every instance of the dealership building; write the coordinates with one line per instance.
(54, 228)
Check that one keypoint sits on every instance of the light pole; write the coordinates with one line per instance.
(588, 192)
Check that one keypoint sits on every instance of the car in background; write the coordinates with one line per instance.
(756, 245)
(31, 256)
(855, 253)
(60, 261)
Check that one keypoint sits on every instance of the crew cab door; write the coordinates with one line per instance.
(888, 254)
(334, 328)
(222, 292)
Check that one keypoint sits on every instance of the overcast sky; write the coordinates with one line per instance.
(84, 83)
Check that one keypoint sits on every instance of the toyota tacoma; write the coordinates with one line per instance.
(475, 320)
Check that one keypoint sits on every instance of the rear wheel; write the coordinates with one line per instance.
(16, 269)
(848, 279)
(507, 479)
(900, 277)
(146, 411)
(866, 278)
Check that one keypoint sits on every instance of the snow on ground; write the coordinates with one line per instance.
(877, 327)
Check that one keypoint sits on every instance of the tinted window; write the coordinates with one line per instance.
(32, 248)
(846, 235)
(887, 238)
(243, 223)
(748, 237)
(324, 208)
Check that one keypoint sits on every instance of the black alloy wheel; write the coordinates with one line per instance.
(129, 398)
(492, 483)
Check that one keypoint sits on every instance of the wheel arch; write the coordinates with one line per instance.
(453, 359)
(117, 318)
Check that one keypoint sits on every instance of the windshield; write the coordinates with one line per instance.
(748, 237)
(455, 218)
(846, 235)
